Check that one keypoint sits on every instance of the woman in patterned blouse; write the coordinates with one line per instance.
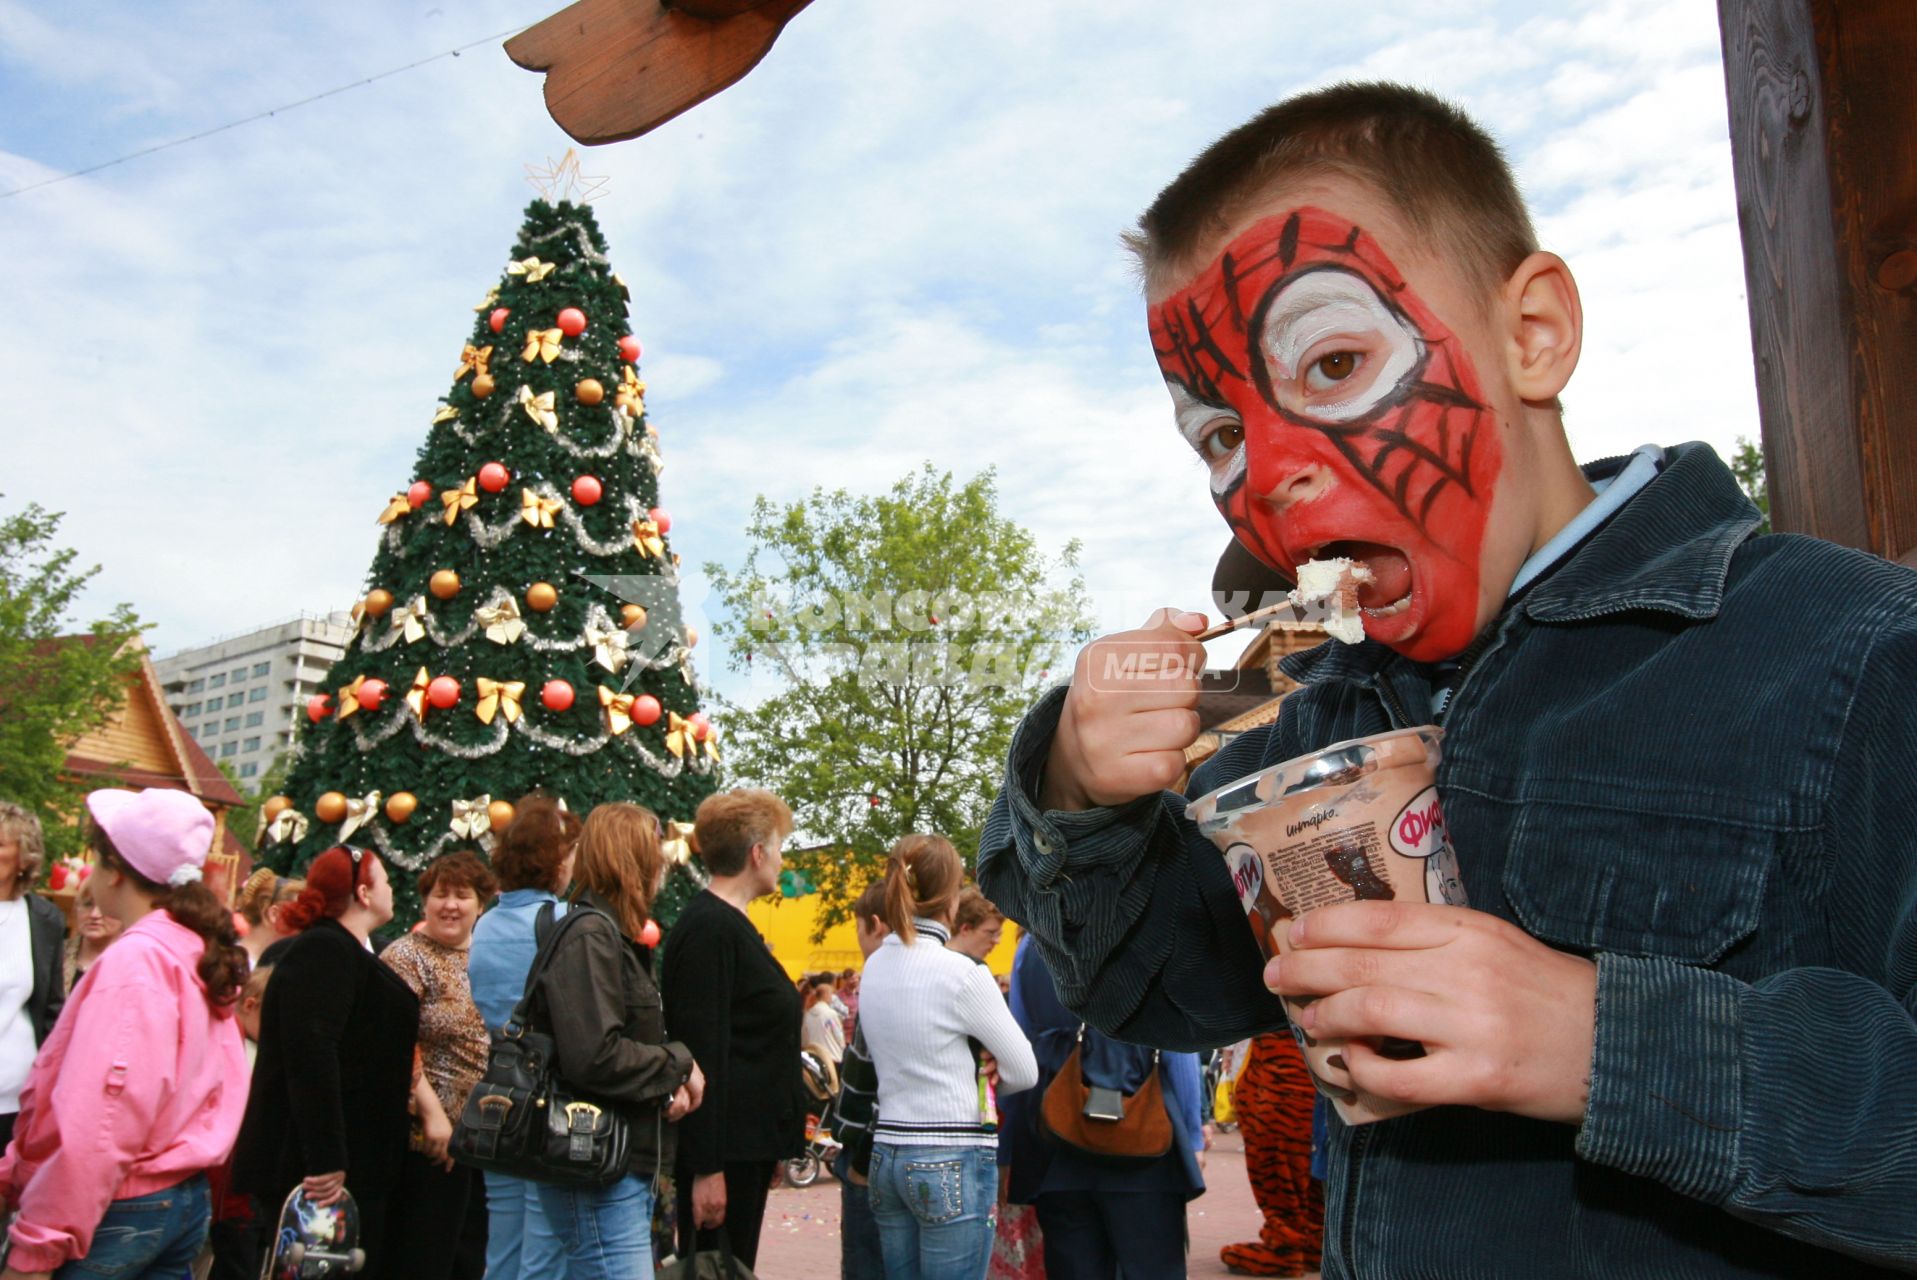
(452, 1051)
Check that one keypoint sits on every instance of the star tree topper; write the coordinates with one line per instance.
(562, 180)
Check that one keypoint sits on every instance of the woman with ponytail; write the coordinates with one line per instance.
(934, 1176)
(335, 1067)
(140, 1088)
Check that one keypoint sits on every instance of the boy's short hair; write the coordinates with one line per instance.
(871, 903)
(975, 910)
(729, 823)
(1445, 176)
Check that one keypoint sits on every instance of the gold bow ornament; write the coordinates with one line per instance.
(473, 360)
(608, 647)
(397, 507)
(499, 697)
(618, 709)
(629, 397)
(411, 618)
(471, 818)
(460, 499)
(501, 621)
(358, 814)
(446, 414)
(537, 511)
(289, 824)
(416, 696)
(348, 700)
(679, 739)
(532, 268)
(646, 539)
(539, 407)
(543, 344)
(490, 301)
(678, 842)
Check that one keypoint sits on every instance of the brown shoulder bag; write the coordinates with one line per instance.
(1141, 1131)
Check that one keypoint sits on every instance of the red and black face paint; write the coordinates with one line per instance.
(1338, 416)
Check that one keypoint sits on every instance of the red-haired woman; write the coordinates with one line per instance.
(335, 1065)
(139, 1089)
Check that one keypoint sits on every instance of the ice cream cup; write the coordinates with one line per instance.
(1356, 820)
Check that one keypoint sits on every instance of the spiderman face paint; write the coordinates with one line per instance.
(1338, 416)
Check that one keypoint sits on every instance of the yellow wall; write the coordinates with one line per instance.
(787, 925)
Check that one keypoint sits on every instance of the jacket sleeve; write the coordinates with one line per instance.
(317, 995)
(989, 1021)
(49, 957)
(583, 992)
(1791, 1101)
(112, 1083)
(1132, 906)
(699, 967)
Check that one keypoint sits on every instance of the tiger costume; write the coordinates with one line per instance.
(1273, 1100)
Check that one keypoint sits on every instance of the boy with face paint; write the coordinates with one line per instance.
(1679, 767)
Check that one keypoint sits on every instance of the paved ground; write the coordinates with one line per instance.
(801, 1237)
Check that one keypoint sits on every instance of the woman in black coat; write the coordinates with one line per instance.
(738, 1012)
(335, 1067)
(30, 928)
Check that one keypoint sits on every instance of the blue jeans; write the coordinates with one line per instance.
(520, 1244)
(156, 1235)
(935, 1208)
(605, 1231)
(860, 1257)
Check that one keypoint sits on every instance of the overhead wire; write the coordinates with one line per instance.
(261, 115)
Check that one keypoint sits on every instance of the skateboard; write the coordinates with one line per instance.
(314, 1241)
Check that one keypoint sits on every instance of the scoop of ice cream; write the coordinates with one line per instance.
(1332, 585)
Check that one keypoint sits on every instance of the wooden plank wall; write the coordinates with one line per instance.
(1824, 144)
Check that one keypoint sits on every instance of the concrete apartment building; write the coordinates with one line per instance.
(242, 696)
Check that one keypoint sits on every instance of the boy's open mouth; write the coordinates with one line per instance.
(1389, 591)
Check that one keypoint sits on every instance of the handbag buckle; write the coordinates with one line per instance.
(582, 1121)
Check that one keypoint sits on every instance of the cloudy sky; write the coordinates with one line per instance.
(895, 241)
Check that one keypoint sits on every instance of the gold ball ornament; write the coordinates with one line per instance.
(378, 601)
(483, 385)
(500, 814)
(589, 391)
(444, 585)
(633, 616)
(541, 597)
(400, 805)
(275, 807)
(330, 807)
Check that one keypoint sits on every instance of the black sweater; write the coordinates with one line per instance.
(334, 1072)
(734, 1007)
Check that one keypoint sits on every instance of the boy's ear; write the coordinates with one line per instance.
(1545, 333)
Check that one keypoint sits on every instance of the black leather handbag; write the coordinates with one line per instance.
(521, 1119)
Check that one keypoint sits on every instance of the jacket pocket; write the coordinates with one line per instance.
(1637, 884)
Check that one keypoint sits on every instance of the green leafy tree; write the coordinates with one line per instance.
(522, 629)
(58, 680)
(1747, 464)
(909, 631)
(244, 822)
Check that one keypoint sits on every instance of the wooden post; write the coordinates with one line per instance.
(1824, 147)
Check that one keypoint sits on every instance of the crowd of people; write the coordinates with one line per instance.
(278, 1047)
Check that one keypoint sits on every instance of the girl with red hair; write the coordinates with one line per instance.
(335, 1070)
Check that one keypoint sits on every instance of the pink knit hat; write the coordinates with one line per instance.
(164, 835)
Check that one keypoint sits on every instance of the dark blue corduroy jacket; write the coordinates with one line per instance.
(1688, 753)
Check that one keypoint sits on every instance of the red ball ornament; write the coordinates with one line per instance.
(443, 692)
(497, 320)
(493, 477)
(701, 727)
(661, 517)
(371, 694)
(873, 801)
(646, 709)
(572, 322)
(418, 494)
(586, 490)
(649, 934)
(629, 349)
(318, 707)
(556, 695)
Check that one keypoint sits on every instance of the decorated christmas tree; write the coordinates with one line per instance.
(521, 626)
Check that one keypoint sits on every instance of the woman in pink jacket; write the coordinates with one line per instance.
(140, 1088)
